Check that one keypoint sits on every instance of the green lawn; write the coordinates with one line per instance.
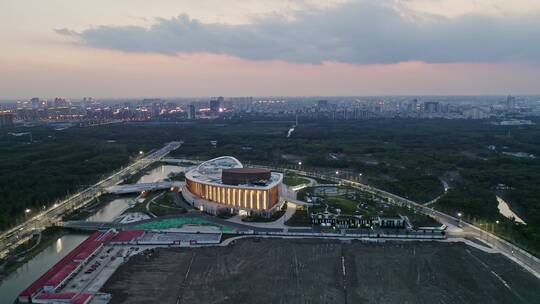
(165, 205)
(346, 205)
(300, 218)
(294, 180)
(178, 222)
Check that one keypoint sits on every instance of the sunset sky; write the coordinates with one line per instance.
(135, 48)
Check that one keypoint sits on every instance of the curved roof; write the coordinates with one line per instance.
(219, 163)
(210, 171)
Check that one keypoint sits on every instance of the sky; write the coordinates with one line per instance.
(140, 48)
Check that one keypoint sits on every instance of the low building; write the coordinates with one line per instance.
(44, 289)
(6, 119)
(392, 222)
(327, 219)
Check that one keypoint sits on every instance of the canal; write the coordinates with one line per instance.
(17, 281)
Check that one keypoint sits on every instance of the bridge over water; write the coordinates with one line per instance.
(90, 225)
(136, 188)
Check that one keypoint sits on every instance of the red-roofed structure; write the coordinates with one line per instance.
(60, 276)
(47, 283)
(127, 236)
(56, 296)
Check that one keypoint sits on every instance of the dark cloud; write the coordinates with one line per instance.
(361, 33)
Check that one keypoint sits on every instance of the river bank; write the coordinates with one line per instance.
(48, 236)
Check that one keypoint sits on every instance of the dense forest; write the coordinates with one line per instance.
(57, 163)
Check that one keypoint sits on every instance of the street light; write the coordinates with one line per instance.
(27, 210)
(459, 214)
(337, 172)
(141, 152)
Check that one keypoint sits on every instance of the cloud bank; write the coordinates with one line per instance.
(363, 32)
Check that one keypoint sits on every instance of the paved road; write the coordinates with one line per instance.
(279, 223)
(19, 234)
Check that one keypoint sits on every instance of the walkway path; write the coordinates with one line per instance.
(151, 201)
(472, 244)
(446, 188)
(279, 223)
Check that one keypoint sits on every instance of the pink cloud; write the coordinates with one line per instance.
(104, 73)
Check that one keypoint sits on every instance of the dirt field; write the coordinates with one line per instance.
(316, 271)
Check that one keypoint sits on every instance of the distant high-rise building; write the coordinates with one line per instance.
(191, 111)
(154, 105)
(6, 119)
(241, 103)
(215, 104)
(322, 104)
(87, 101)
(510, 102)
(475, 113)
(151, 101)
(412, 107)
(432, 107)
(34, 102)
(60, 102)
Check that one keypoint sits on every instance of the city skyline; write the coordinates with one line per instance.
(268, 48)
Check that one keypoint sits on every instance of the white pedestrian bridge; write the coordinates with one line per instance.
(137, 188)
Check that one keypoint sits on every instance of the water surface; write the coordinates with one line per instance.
(29, 272)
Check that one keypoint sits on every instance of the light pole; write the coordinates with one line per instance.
(27, 213)
(459, 214)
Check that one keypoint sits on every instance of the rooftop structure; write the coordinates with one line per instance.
(245, 176)
(45, 288)
(127, 236)
(223, 185)
(212, 172)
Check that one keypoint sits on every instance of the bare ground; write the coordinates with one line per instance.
(317, 271)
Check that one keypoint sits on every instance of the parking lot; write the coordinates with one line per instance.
(98, 270)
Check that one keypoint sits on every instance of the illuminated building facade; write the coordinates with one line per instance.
(223, 185)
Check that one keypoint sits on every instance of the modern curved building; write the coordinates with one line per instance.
(223, 185)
